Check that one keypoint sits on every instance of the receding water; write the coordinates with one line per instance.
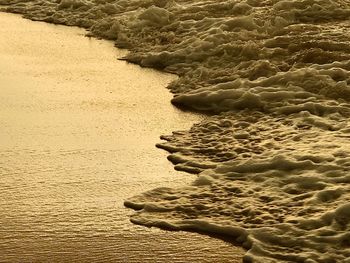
(77, 137)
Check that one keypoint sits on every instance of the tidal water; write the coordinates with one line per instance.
(78, 130)
(273, 162)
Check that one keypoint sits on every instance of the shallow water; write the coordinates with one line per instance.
(78, 134)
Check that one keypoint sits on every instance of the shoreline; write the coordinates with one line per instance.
(172, 242)
(274, 161)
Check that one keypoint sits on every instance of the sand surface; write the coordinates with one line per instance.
(78, 133)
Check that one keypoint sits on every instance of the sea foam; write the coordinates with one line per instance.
(273, 159)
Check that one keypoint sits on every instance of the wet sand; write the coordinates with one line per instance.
(78, 130)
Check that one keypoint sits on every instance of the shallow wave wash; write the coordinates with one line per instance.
(274, 157)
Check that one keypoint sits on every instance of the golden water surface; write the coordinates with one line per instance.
(77, 136)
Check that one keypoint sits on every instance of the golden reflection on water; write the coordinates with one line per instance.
(78, 130)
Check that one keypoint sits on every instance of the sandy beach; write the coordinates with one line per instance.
(78, 134)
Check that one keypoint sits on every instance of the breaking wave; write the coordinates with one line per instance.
(273, 158)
